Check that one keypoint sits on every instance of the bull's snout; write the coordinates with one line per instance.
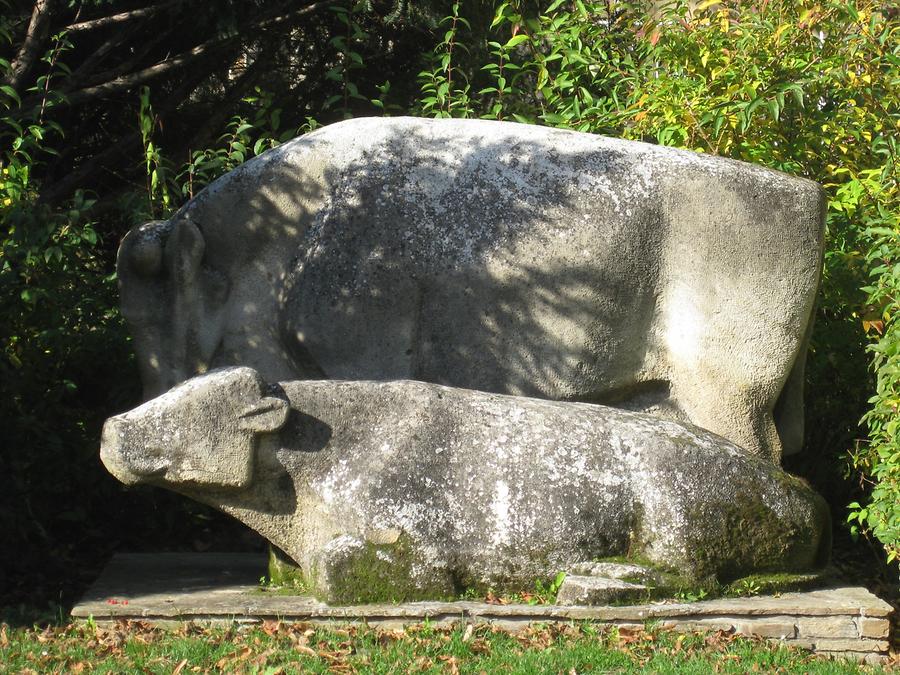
(129, 461)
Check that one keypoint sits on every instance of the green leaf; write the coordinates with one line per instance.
(9, 91)
(516, 40)
(554, 6)
(500, 13)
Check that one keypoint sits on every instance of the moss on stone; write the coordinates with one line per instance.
(373, 573)
(284, 573)
(627, 560)
(747, 537)
(779, 582)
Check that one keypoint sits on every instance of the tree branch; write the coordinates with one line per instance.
(79, 75)
(122, 149)
(309, 9)
(118, 83)
(35, 36)
(103, 22)
(141, 76)
(82, 79)
(225, 109)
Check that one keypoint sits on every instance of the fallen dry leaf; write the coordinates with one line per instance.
(387, 636)
(261, 660)
(492, 599)
(179, 667)
(271, 627)
(452, 663)
(480, 646)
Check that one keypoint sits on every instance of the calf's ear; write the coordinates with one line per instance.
(267, 415)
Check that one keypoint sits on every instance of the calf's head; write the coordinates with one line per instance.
(202, 433)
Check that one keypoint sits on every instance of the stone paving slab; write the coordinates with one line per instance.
(224, 587)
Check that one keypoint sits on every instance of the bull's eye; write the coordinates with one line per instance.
(146, 257)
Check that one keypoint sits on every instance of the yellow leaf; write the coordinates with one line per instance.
(707, 4)
(867, 78)
(876, 326)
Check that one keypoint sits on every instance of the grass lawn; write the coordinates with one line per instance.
(274, 647)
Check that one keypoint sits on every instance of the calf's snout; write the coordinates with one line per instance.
(128, 461)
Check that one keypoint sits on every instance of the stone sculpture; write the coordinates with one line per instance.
(499, 257)
(405, 489)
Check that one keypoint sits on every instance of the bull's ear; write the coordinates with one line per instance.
(186, 244)
(269, 414)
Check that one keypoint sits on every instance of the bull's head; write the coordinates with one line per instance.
(201, 433)
(173, 302)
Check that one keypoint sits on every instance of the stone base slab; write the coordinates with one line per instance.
(165, 588)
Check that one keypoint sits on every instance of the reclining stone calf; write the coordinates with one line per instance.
(410, 490)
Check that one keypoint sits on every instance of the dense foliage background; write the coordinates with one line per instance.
(116, 111)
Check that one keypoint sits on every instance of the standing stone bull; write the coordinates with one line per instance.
(499, 257)
(407, 489)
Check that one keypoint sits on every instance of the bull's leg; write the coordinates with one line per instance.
(743, 417)
(789, 410)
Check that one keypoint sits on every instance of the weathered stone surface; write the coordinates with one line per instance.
(877, 629)
(776, 627)
(843, 645)
(582, 590)
(612, 570)
(494, 256)
(828, 627)
(871, 659)
(400, 490)
(699, 624)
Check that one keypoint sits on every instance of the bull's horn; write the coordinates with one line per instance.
(184, 249)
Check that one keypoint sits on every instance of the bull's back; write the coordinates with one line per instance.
(535, 261)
